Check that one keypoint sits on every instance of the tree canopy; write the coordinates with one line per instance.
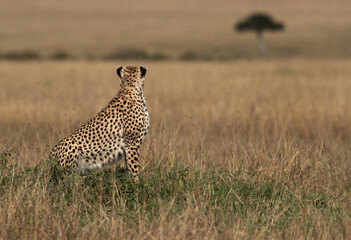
(259, 22)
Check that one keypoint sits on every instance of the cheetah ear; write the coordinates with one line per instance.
(118, 71)
(142, 71)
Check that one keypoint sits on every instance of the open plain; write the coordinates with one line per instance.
(245, 149)
(239, 147)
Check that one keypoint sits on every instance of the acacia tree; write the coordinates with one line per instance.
(259, 22)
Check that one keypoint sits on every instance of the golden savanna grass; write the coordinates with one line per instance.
(277, 125)
(314, 28)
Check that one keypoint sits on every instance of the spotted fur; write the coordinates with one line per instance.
(117, 131)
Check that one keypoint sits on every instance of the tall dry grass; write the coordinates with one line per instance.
(248, 149)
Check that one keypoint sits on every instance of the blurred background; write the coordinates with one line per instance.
(164, 29)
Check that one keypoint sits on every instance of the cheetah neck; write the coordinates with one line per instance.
(134, 92)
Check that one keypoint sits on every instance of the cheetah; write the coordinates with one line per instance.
(116, 133)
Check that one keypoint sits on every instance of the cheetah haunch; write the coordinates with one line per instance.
(117, 132)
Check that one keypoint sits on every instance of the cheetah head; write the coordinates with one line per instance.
(131, 74)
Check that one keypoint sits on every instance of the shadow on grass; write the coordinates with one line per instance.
(60, 56)
(20, 56)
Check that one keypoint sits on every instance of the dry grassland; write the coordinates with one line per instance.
(314, 28)
(247, 149)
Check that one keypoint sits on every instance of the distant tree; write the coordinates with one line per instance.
(259, 22)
